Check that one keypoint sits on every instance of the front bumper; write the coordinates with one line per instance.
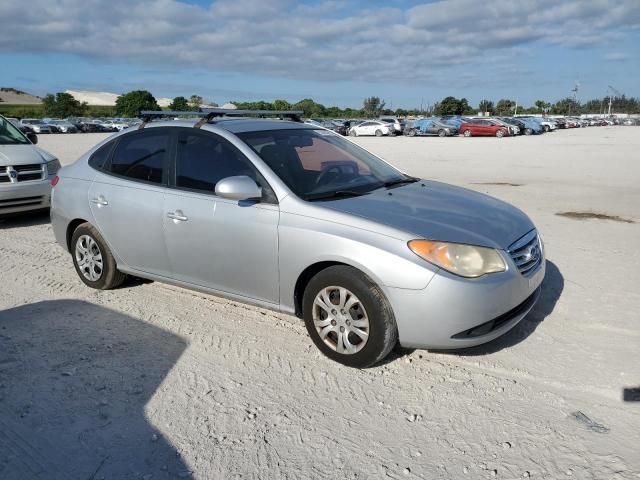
(454, 312)
(25, 196)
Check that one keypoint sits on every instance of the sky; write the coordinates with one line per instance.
(335, 51)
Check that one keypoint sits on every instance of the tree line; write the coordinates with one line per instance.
(63, 105)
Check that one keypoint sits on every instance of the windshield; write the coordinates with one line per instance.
(10, 135)
(317, 164)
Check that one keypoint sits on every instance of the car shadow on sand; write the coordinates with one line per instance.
(27, 219)
(552, 288)
(74, 382)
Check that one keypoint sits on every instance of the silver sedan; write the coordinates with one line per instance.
(295, 218)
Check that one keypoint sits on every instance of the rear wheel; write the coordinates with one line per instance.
(93, 260)
(442, 133)
(546, 128)
(412, 132)
(353, 133)
(348, 317)
(467, 133)
(528, 131)
(378, 133)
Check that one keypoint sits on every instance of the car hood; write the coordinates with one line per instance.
(23, 155)
(438, 211)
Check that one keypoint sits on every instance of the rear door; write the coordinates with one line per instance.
(126, 199)
(365, 128)
(213, 242)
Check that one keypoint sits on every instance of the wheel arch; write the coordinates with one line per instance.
(305, 277)
(312, 270)
(71, 227)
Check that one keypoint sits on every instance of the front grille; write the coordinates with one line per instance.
(25, 168)
(22, 173)
(527, 253)
(21, 202)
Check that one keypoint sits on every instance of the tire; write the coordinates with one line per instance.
(353, 133)
(412, 132)
(106, 276)
(467, 133)
(500, 133)
(370, 306)
(378, 133)
(546, 128)
(528, 131)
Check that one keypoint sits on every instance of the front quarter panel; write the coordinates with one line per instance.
(306, 240)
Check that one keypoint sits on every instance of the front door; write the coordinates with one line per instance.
(213, 242)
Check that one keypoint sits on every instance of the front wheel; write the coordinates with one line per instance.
(500, 133)
(378, 133)
(348, 317)
(442, 133)
(467, 133)
(353, 133)
(93, 260)
(412, 132)
(528, 131)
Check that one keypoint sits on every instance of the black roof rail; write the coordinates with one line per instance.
(208, 114)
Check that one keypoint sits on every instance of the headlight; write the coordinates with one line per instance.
(52, 167)
(464, 260)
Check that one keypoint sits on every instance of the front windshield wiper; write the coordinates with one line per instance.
(400, 181)
(335, 194)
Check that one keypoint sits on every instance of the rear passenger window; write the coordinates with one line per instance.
(203, 160)
(100, 156)
(141, 156)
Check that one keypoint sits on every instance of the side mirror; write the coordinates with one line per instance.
(238, 188)
(33, 138)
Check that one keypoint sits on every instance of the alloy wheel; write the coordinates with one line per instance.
(340, 320)
(89, 258)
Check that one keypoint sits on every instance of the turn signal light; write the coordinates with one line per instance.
(55, 180)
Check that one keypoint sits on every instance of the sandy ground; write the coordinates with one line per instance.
(150, 381)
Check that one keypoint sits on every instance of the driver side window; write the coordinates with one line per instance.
(202, 160)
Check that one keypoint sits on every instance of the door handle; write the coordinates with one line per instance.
(100, 201)
(177, 216)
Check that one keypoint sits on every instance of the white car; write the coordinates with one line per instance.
(372, 127)
(36, 125)
(548, 124)
(25, 171)
(398, 126)
(115, 125)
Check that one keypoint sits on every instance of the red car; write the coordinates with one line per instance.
(483, 128)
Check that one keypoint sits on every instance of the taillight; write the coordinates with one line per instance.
(55, 180)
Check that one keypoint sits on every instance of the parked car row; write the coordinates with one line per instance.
(72, 125)
(453, 125)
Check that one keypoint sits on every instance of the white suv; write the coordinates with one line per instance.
(25, 171)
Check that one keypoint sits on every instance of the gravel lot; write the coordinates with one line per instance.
(151, 381)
